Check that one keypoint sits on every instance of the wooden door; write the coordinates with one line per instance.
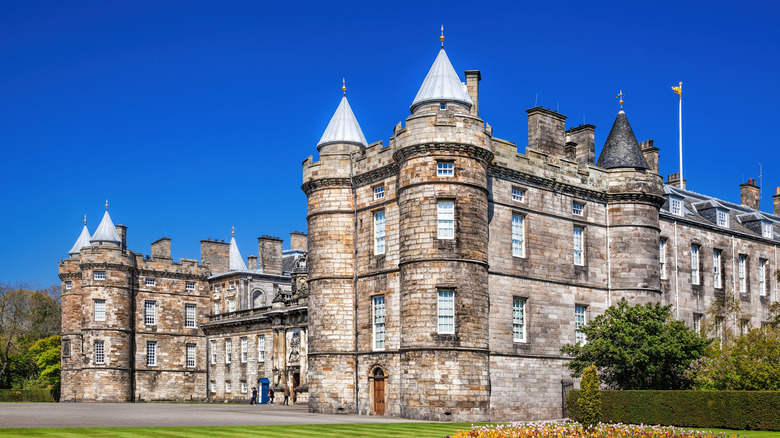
(379, 396)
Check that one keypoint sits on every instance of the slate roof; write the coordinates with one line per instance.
(442, 84)
(343, 127)
(106, 231)
(236, 261)
(81, 242)
(621, 148)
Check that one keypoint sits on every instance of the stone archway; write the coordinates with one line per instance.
(377, 382)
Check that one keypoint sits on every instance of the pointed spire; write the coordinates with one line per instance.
(236, 261)
(442, 83)
(621, 148)
(82, 241)
(343, 126)
(106, 231)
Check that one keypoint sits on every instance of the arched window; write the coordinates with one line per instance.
(258, 299)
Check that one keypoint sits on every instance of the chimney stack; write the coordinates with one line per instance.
(651, 155)
(472, 85)
(776, 199)
(298, 241)
(546, 131)
(584, 136)
(251, 262)
(750, 194)
(122, 231)
(674, 180)
(269, 250)
(161, 248)
(215, 254)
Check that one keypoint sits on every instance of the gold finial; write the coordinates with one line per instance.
(442, 36)
(106, 204)
(233, 231)
(85, 219)
(621, 96)
(344, 86)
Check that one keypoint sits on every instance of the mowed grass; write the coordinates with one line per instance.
(421, 430)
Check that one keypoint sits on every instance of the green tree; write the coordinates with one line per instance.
(589, 402)
(722, 318)
(637, 347)
(46, 354)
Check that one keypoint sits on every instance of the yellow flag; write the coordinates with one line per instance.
(678, 90)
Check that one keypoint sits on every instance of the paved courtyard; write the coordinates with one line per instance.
(167, 414)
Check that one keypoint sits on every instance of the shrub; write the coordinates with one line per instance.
(589, 402)
(26, 395)
(574, 430)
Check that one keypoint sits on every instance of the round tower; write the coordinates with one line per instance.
(107, 315)
(443, 156)
(634, 196)
(331, 243)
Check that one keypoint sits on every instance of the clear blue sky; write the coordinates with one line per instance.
(192, 116)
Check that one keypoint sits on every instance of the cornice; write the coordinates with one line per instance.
(112, 266)
(481, 154)
(377, 174)
(70, 276)
(558, 186)
(311, 186)
(169, 274)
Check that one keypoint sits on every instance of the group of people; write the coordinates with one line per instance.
(271, 392)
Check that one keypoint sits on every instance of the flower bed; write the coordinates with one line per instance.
(575, 430)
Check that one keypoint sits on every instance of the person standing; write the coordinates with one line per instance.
(271, 394)
(286, 395)
(254, 396)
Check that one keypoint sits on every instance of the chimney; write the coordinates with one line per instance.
(269, 249)
(215, 254)
(472, 85)
(776, 199)
(674, 180)
(122, 231)
(546, 131)
(585, 138)
(651, 154)
(750, 194)
(298, 241)
(251, 262)
(161, 248)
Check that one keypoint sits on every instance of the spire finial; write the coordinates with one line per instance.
(106, 204)
(621, 96)
(233, 231)
(442, 36)
(344, 86)
(85, 219)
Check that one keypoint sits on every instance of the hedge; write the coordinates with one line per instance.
(746, 410)
(27, 395)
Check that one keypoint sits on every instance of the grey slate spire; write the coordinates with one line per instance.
(343, 127)
(106, 231)
(236, 261)
(442, 84)
(82, 241)
(621, 148)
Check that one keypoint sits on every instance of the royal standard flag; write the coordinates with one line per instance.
(678, 90)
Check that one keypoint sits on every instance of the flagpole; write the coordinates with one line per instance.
(682, 181)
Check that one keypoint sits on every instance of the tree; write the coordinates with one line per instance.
(721, 321)
(46, 354)
(637, 347)
(589, 402)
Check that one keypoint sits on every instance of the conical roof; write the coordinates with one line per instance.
(106, 231)
(236, 261)
(343, 127)
(81, 242)
(442, 84)
(621, 148)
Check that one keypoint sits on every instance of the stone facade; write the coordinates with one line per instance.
(541, 242)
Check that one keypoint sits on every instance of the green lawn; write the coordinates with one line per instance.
(421, 430)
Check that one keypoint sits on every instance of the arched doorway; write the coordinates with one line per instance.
(379, 391)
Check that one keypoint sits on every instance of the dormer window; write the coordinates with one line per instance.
(379, 192)
(722, 217)
(445, 168)
(676, 206)
(766, 229)
(518, 195)
(577, 208)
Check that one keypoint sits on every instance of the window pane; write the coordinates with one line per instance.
(379, 322)
(579, 258)
(189, 316)
(446, 218)
(190, 355)
(100, 310)
(379, 232)
(518, 235)
(579, 322)
(518, 319)
(446, 312)
(99, 353)
(151, 353)
(149, 307)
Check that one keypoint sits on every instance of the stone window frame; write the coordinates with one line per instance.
(244, 349)
(193, 313)
(151, 353)
(743, 267)
(66, 347)
(150, 312)
(378, 191)
(228, 350)
(442, 298)
(380, 236)
(519, 305)
(217, 307)
(443, 218)
(68, 285)
(695, 264)
(189, 285)
(663, 243)
(99, 352)
(187, 356)
(579, 212)
(99, 310)
(231, 305)
(578, 245)
(213, 351)
(518, 194)
(261, 348)
(763, 264)
(445, 168)
(767, 229)
(378, 327)
(580, 310)
(148, 281)
(717, 268)
(244, 387)
(228, 386)
(99, 275)
(518, 230)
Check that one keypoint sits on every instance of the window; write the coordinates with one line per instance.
(232, 285)
(722, 217)
(446, 312)
(68, 285)
(446, 217)
(149, 308)
(518, 319)
(579, 322)
(579, 256)
(379, 232)
(697, 323)
(189, 285)
(100, 357)
(577, 208)
(766, 229)
(228, 350)
(244, 349)
(518, 235)
(190, 356)
(100, 310)
(213, 351)
(379, 322)
(213, 386)
(228, 386)
(189, 316)
(518, 195)
(742, 273)
(676, 206)
(379, 192)
(216, 307)
(695, 278)
(744, 326)
(66, 348)
(99, 275)
(717, 270)
(719, 330)
(150, 282)
(662, 257)
(261, 348)
(232, 305)
(151, 353)
(762, 277)
(443, 105)
(445, 168)
(216, 288)
(243, 387)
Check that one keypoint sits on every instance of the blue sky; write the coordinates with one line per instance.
(192, 117)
